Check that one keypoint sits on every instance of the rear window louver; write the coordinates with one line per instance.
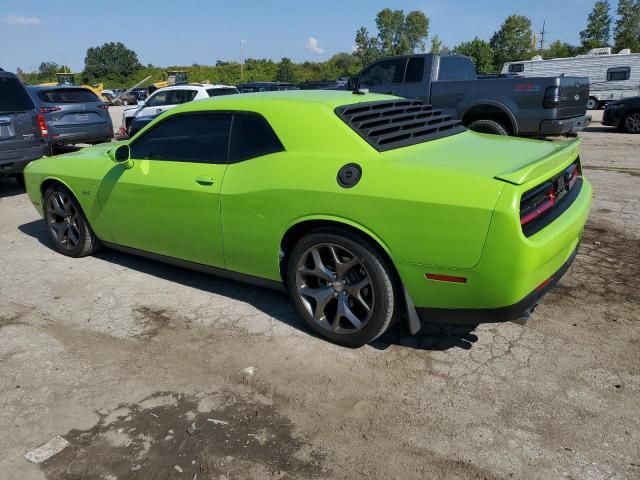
(390, 124)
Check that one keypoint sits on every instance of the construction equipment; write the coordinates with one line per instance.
(174, 77)
(68, 78)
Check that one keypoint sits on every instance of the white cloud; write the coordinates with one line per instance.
(312, 45)
(22, 20)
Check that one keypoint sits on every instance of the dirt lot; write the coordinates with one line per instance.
(150, 371)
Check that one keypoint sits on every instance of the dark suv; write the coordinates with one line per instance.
(21, 127)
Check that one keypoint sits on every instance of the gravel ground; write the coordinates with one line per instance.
(151, 371)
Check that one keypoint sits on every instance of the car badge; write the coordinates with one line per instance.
(577, 97)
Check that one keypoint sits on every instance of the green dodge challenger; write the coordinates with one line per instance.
(364, 207)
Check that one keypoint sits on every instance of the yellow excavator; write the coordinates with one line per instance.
(68, 78)
(174, 77)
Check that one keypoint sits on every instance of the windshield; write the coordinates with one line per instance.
(217, 92)
(68, 95)
(13, 96)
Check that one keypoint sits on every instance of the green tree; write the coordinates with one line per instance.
(110, 62)
(285, 72)
(513, 41)
(436, 44)
(366, 47)
(626, 33)
(480, 52)
(559, 49)
(398, 34)
(598, 31)
(345, 63)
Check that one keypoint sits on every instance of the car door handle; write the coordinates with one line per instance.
(204, 180)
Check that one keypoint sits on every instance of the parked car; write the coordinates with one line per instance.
(361, 206)
(531, 107)
(168, 97)
(21, 127)
(623, 114)
(72, 115)
(139, 122)
(134, 96)
(252, 87)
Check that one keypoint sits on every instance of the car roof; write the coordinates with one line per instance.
(330, 98)
(56, 87)
(193, 86)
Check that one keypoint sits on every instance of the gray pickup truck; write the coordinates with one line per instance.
(498, 104)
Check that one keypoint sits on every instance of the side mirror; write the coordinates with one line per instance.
(122, 155)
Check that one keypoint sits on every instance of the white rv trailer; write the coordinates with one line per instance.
(612, 76)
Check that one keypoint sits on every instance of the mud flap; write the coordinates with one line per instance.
(414, 321)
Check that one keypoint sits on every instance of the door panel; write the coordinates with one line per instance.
(163, 207)
(168, 202)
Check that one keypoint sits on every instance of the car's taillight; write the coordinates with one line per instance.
(42, 125)
(104, 106)
(537, 202)
(552, 97)
(49, 109)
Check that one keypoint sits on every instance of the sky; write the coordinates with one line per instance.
(190, 31)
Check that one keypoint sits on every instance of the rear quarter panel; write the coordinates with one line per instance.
(419, 214)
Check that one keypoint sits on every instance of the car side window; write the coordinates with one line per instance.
(158, 100)
(252, 136)
(193, 138)
(189, 95)
(383, 73)
(454, 68)
(618, 74)
(516, 68)
(415, 70)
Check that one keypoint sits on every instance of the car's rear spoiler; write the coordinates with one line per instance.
(567, 151)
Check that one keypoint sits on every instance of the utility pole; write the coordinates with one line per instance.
(544, 24)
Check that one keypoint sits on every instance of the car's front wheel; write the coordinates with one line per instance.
(631, 123)
(341, 286)
(66, 224)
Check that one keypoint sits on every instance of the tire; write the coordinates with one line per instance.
(488, 126)
(592, 103)
(125, 102)
(67, 225)
(363, 290)
(631, 123)
(20, 179)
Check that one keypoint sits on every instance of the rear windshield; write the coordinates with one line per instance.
(13, 96)
(68, 95)
(217, 92)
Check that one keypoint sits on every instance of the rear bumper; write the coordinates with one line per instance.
(564, 126)
(508, 313)
(612, 117)
(72, 135)
(14, 161)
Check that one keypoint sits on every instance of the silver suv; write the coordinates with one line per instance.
(21, 127)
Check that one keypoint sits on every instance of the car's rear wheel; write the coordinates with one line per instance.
(488, 126)
(631, 123)
(66, 224)
(341, 286)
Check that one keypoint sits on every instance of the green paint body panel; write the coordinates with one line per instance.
(448, 206)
